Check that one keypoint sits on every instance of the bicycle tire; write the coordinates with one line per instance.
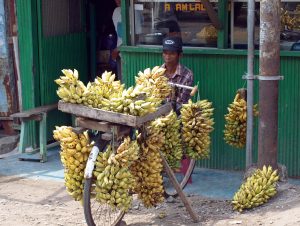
(172, 191)
(96, 213)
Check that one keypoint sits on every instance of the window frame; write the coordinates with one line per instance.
(223, 14)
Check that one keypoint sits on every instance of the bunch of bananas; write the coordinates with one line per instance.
(127, 152)
(147, 169)
(258, 189)
(70, 88)
(197, 124)
(150, 90)
(236, 121)
(100, 91)
(287, 20)
(169, 125)
(114, 179)
(104, 93)
(75, 149)
(155, 79)
(135, 101)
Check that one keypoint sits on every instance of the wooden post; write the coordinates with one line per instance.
(179, 190)
(269, 61)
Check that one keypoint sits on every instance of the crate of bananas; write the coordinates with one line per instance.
(107, 99)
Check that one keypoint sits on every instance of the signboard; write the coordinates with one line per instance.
(185, 7)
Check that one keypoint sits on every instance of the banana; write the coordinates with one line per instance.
(147, 168)
(236, 121)
(197, 125)
(114, 180)
(257, 189)
(105, 93)
(74, 154)
(169, 126)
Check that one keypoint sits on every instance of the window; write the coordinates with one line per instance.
(157, 19)
(238, 29)
(290, 25)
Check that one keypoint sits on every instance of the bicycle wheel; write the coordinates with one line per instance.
(182, 179)
(97, 213)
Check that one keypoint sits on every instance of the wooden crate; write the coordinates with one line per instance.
(113, 117)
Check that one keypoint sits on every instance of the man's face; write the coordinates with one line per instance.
(171, 57)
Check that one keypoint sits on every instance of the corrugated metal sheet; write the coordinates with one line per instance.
(289, 111)
(42, 59)
(27, 37)
(62, 51)
(219, 77)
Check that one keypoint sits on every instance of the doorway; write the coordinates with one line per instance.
(103, 38)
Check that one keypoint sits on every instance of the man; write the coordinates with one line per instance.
(176, 72)
(180, 74)
(117, 21)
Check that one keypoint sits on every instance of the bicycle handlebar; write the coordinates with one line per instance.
(193, 89)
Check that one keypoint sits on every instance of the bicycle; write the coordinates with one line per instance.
(103, 214)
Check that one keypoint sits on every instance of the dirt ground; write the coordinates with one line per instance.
(28, 202)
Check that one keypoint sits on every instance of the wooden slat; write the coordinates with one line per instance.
(78, 130)
(109, 116)
(176, 185)
(164, 109)
(93, 113)
(32, 117)
(6, 118)
(32, 157)
(99, 125)
(119, 130)
(34, 111)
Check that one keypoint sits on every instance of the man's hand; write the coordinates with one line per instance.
(115, 54)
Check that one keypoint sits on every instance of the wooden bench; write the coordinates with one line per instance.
(37, 114)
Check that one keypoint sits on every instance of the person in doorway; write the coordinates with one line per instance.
(117, 20)
(175, 71)
(180, 74)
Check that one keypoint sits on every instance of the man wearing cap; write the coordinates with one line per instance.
(176, 72)
(180, 74)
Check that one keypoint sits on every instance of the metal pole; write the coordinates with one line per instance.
(250, 77)
(269, 60)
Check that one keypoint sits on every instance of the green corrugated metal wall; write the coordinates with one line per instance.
(219, 76)
(59, 52)
(53, 60)
(43, 58)
(289, 111)
(28, 53)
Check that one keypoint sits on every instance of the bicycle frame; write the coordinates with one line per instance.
(88, 172)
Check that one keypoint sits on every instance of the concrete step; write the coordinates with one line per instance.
(8, 143)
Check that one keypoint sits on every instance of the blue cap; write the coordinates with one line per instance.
(172, 44)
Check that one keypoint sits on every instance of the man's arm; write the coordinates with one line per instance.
(184, 96)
